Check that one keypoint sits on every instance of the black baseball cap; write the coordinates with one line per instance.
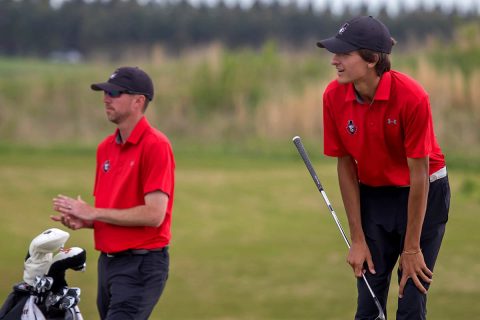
(131, 79)
(364, 32)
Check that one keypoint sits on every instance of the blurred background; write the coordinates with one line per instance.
(234, 82)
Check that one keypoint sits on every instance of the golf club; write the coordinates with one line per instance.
(303, 153)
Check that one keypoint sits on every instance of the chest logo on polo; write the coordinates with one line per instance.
(351, 127)
(106, 166)
(392, 121)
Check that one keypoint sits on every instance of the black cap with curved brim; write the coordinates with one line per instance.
(363, 32)
(336, 45)
(131, 79)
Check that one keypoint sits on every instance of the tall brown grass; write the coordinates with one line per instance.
(455, 102)
(45, 103)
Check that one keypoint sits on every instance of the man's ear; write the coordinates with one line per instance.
(374, 63)
(140, 102)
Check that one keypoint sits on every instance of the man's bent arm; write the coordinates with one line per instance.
(151, 214)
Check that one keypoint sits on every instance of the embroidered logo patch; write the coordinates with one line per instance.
(343, 28)
(351, 127)
(106, 166)
(392, 121)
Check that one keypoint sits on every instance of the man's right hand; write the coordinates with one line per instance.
(71, 222)
(67, 215)
(357, 256)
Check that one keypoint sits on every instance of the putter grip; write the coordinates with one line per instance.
(303, 153)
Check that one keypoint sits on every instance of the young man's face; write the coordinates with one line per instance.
(350, 67)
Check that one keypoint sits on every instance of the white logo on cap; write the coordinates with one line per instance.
(113, 75)
(343, 28)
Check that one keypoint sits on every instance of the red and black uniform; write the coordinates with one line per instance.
(380, 137)
(125, 173)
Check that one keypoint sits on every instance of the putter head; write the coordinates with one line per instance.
(381, 314)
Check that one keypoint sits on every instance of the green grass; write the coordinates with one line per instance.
(252, 238)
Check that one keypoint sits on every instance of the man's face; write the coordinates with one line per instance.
(350, 67)
(119, 108)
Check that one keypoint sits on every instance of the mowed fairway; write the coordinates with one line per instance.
(252, 238)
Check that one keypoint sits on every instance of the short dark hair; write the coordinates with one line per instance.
(383, 60)
(145, 104)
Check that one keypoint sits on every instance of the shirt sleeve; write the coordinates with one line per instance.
(158, 168)
(97, 169)
(419, 130)
(332, 144)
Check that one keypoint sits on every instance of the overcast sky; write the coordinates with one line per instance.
(338, 5)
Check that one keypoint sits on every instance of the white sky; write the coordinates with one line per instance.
(462, 5)
(337, 5)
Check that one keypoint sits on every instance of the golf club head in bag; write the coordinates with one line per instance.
(61, 297)
(40, 253)
(46, 295)
(62, 304)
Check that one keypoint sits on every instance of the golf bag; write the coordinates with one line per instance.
(44, 293)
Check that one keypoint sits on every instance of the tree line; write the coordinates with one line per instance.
(35, 28)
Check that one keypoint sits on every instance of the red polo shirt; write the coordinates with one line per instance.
(381, 136)
(125, 174)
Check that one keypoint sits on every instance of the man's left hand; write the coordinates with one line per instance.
(413, 266)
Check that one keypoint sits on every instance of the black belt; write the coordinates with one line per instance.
(134, 252)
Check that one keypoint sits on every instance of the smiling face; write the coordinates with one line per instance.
(351, 67)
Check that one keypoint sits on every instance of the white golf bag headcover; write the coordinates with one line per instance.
(41, 253)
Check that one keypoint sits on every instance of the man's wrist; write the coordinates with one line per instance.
(358, 240)
(412, 251)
